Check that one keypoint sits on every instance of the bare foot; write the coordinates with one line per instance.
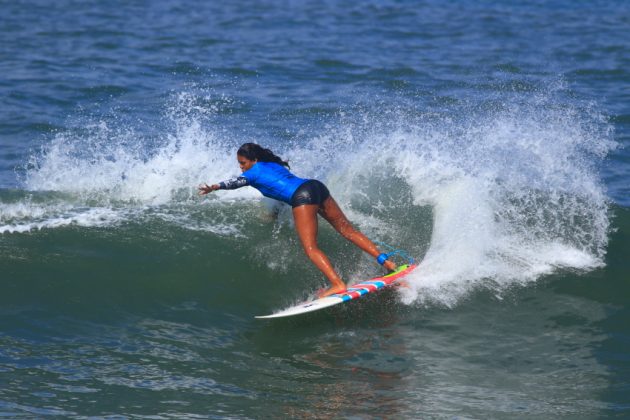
(335, 289)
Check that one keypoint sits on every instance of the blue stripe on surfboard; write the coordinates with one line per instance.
(362, 285)
(361, 290)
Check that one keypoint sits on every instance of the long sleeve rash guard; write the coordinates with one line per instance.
(271, 179)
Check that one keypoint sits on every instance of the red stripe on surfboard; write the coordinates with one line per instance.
(355, 292)
(369, 287)
(390, 279)
(354, 295)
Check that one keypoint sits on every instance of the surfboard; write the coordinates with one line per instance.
(353, 292)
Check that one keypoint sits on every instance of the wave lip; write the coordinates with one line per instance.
(515, 196)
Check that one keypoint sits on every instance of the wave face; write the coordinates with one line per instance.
(493, 194)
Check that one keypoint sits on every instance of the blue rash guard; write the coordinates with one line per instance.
(271, 179)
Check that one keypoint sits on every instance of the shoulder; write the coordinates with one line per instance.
(253, 171)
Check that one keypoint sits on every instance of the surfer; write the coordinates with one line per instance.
(269, 174)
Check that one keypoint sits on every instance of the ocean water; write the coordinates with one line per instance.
(488, 139)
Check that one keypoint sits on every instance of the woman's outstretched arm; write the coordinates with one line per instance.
(230, 184)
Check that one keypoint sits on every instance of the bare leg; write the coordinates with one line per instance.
(334, 215)
(305, 217)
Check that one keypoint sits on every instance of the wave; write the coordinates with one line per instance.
(492, 194)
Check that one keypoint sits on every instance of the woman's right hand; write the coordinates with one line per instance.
(205, 188)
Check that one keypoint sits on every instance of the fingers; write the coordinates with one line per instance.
(204, 189)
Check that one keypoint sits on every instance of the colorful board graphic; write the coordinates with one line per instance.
(355, 291)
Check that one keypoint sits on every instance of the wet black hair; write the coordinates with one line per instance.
(253, 151)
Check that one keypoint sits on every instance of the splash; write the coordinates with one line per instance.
(487, 195)
(119, 164)
(515, 194)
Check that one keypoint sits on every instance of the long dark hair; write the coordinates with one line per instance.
(253, 151)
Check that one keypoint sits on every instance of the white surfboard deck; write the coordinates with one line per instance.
(355, 291)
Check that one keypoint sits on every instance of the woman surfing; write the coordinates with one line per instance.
(269, 174)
